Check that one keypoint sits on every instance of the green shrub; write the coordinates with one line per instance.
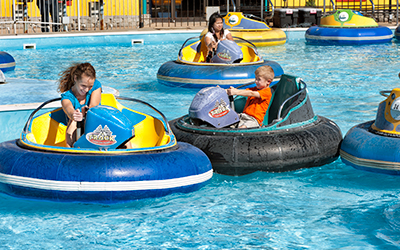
(310, 3)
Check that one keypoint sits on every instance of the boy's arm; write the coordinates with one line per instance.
(243, 92)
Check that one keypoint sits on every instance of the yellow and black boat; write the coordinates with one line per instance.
(291, 137)
(254, 31)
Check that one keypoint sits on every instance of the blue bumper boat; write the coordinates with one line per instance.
(232, 65)
(397, 33)
(348, 27)
(374, 145)
(7, 62)
(98, 169)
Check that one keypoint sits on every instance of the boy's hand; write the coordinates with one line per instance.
(231, 91)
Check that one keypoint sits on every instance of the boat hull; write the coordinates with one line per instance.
(201, 75)
(260, 38)
(397, 33)
(365, 150)
(101, 178)
(7, 62)
(348, 36)
(240, 152)
(252, 30)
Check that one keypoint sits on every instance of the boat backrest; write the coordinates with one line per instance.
(240, 102)
(285, 88)
(249, 54)
(49, 128)
(201, 51)
(195, 52)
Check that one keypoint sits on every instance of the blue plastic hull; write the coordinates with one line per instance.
(101, 178)
(7, 62)
(397, 33)
(365, 150)
(348, 36)
(174, 73)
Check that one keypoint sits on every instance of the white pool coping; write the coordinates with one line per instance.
(116, 33)
(26, 106)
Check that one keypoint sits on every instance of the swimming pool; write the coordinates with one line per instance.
(333, 206)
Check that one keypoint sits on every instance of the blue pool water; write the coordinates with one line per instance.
(329, 207)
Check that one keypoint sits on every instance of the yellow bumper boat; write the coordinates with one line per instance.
(254, 31)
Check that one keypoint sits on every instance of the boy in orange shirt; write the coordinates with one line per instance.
(258, 98)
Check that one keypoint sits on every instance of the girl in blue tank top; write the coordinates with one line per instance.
(80, 91)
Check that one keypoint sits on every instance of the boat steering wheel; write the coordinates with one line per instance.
(385, 93)
(232, 99)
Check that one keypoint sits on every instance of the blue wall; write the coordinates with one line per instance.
(100, 39)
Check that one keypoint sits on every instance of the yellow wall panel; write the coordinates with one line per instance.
(111, 8)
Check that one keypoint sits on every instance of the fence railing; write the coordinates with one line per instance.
(41, 16)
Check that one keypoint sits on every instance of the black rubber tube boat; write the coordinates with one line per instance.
(292, 137)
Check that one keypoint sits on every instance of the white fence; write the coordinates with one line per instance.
(38, 16)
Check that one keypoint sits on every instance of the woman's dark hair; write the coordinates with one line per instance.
(67, 77)
(211, 21)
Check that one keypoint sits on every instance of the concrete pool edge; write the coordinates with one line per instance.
(89, 39)
(111, 38)
(26, 106)
(126, 38)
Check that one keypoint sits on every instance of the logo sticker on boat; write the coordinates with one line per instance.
(343, 16)
(233, 19)
(395, 109)
(101, 136)
(220, 109)
(224, 56)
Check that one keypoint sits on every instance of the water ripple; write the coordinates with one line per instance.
(329, 207)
